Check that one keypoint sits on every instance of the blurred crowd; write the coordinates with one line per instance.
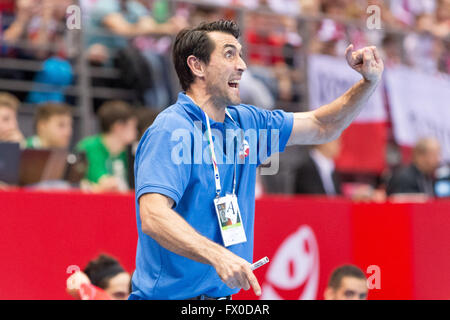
(107, 159)
(133, 37)
(415, 33)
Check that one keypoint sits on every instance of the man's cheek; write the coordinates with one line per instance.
(4, 127)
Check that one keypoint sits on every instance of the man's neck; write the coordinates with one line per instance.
(207, 104)
(113, 144)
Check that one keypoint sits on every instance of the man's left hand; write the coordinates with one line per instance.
(366, 61)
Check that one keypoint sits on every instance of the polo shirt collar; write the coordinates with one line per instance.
(194, 110)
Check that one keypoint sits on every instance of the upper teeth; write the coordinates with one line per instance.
(234, 81)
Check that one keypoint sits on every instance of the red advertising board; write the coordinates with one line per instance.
(304, 241)
(46, 236)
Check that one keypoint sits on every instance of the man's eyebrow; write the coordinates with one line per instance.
(229, 45)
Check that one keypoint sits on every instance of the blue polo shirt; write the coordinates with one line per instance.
(173, 159)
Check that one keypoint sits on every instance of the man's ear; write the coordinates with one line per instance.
(197, 67)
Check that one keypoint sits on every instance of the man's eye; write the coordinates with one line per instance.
(349, 293)
(229, 54)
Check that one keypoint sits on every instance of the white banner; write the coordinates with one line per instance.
(420, 106)
(329, 77)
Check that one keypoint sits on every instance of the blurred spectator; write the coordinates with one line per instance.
(124, 19)
(106, 152)
(111, 27)
(329, 36)
(38, 32)
(53, 127)
(205, 14)
(423, 49)
(333, 35)
(104, 272)
(442, 28)
(42, 25)
(287, 7)
(418, 177)
(145, 117)
(444, 59)
(405, 11)
(264, 43)
(250, 4)
(317, 174)
(272, 41)
(391, 50)
(9, 126)
(347, 282)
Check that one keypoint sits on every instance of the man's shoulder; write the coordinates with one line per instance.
(168, 122)
(245, 108)
(255, 116)
(248, 109)
(245, 112)
(172, 118)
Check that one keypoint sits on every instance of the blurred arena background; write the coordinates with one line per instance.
(378, 197)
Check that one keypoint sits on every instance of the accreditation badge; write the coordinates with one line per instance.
(230, 221)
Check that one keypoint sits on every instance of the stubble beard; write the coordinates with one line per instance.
(222, 97)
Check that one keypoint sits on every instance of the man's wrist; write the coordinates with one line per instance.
(213, 253)
(371, 81)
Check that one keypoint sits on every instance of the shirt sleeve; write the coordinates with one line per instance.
(159, 168)
(274, 129)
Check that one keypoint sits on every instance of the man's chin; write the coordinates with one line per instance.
(234, 101)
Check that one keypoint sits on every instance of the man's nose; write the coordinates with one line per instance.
(242, 66)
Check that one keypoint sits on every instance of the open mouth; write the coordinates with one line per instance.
(234, 84)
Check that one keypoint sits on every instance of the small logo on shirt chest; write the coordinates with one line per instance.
(245, 150)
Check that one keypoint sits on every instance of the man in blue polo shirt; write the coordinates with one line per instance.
(196, 165)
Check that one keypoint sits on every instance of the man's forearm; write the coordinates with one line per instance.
(172, 232)
(327, 123)
(336, 116)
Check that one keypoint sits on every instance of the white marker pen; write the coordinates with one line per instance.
(259, 263)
